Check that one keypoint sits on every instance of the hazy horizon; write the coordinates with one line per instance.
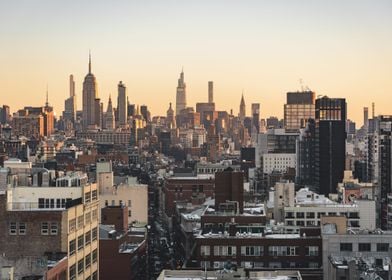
(338, 48)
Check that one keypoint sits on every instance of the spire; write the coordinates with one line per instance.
(89, 62)
(47, 96)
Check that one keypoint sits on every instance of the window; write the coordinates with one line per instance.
(72, 272)
(204, 250)
(129, 213)
(41, 203)
(95, 276)
(364, 247)
(87, 238)
(87, 197)
(72, 247)
(44, 228)
(72, 225)
(94, 234)
(252, 250)
(22, 228)
(12, 228)
(312, 250)
(88, 218)
(225, 250)
(80, 242)
(382, 247)
(129, 203)
(346, 247)
(94, 255)
(94, 214)
(94, 195)
(88, 260)
(53, 228)
(80, 221)
(80, 266)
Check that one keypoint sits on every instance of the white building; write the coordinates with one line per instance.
(278, 162)
(309, 207)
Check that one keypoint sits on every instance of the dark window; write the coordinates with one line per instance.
(88, 260)
(346, 247)
(41, 203)
(364, 247)
(80, 266)
(80, 242)
(94, 256)
(94, 234)
(72, 272)
(72, 247)
(382, 247)
(87, 238)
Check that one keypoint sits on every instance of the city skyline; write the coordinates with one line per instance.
(261, 48)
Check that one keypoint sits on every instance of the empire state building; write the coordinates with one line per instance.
(91, 102)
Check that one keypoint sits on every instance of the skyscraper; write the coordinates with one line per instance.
(109, 116)
(298, 109)
(122, 104)
(210, 92)
(330, 145)
(255, 118)
(69, 113)
(181, 94)
(242, 113)
(170, 118)
(365, 117)
(91, 118)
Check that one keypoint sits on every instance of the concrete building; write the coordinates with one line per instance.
(210, 92)
(69, 113)
(181, 94)
(106, 137)
(229, 188)
(309, 207)
(28, 125)
(340, 247)
(109, 116)
(278, 162)
(122, 105)
(52, 231)
(299, 107)
(91, 118)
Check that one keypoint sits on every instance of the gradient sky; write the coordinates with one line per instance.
(339, 48)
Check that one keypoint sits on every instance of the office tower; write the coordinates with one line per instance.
(298, 109)
(373, 110)
(122, 104)
(229, 188)
(365, 117)
(109, 116)
(255, 118)
(170, 118)
(207, 112)
(91, 118)
(181, 94)
(213, 144)
(69, 113)
(380, 166)
(145, 113)
(306, 156)
(330, 149)
(210, 92)
(5, 114)
(242, 113)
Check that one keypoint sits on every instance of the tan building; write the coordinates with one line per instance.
(300, 106)
(51, 231)
(28, 125)
(130, 194)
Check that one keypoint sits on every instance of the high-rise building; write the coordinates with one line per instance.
(210, 92)
(330, 146)
(242, 113)
(122, 104)
(91, 118)
(5, 114)
(170, 118)
(365, 117)
(298, 109)
(255, 118)
(145, 113)
(109, 116)
(181, 94)
(69, 113)
(305, 176)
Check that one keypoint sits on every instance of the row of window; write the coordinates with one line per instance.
(258, 250)
(52, 202)
(82, 265)
(82, 220)
(47, 228)
(311, 215)
(250, 265)
(120, 202)
(82, 240)
(90, 196)
(364, 247)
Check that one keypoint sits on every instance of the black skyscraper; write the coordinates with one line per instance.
(330, 146)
